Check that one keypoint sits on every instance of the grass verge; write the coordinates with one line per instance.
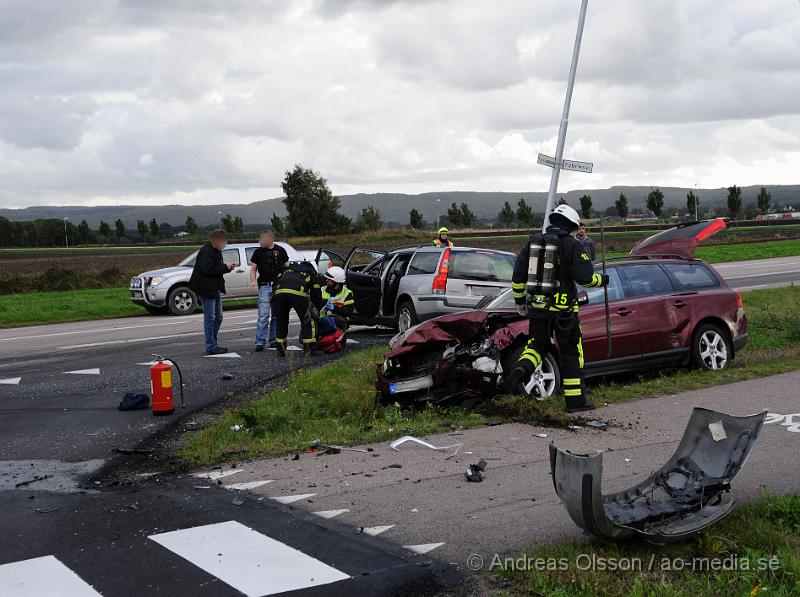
(754, 551)
(335, 403)
(37, 308)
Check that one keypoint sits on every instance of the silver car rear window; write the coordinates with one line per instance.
(481, 265)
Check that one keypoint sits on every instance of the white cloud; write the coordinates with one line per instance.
(201, 101)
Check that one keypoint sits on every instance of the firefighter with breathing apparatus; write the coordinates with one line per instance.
(337, 298)
(443, 240)
(297, 288)
(543, 284)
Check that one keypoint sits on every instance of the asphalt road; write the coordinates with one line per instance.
(59, 390)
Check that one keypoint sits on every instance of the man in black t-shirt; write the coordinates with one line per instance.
(268, 262)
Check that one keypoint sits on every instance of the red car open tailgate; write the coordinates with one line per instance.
(681, 240)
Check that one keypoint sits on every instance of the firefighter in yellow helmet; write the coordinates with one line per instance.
(442, 240)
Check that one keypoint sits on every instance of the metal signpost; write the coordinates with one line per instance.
(562, 131)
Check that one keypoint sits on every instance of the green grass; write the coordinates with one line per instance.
(763, 537)
(740, 252)
(37, 308)
(336, 402)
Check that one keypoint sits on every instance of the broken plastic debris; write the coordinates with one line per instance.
(236, 427)
(474, 471)
(542, 435)
(487, 365)
(408, 438)
(314, 444)
(596, 424)
(628, 459)
(717, 431)
(414, 510)
(226, 377)
(237, 502)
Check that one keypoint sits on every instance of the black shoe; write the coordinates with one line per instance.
(273, 345)
(310, 350)
(259, 348)
(579, 407)
(217, 350)
(281, 349)
(513, 383)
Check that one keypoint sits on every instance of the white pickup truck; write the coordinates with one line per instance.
(167, 290)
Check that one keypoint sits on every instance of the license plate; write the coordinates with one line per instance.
(412, 385)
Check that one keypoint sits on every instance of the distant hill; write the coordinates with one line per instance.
(394, 207)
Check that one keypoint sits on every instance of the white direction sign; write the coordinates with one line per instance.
(546, 160)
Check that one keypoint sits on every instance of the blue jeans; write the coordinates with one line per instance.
(212, 319)
(265, 316)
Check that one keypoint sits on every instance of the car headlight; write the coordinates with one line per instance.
(156, 280)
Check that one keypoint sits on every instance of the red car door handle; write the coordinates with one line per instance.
(681, 304)
(624, 311)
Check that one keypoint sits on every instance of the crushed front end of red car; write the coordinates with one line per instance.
(448, 358)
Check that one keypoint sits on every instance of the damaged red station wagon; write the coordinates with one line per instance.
(667, 310)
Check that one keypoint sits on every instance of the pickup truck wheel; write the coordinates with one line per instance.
(182, 301)
(711, 349)
(544, 381)
(406, 316)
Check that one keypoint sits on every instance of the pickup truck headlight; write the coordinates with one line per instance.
(156, 280)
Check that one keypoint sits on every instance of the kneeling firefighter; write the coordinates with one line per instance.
(338, 298)
(297, 288)
(543, 284)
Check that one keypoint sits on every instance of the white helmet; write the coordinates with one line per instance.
(565, 211)
(336, 274)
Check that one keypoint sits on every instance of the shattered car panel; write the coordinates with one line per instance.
(684, 496)
(452, 357)
(681, 240)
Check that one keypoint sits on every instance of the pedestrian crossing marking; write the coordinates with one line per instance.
(248, 560)
(423, 548)
(375, 531)
(224, 355)
(331, 513)
(290, 499)
(11, 381)
(248, 485)
(42, 576)
(84, 372)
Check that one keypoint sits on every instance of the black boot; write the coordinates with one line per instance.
(513, 381)
(281, 348)
(579, 405)
(310, 350)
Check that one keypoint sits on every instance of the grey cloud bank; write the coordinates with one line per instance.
(145, 102)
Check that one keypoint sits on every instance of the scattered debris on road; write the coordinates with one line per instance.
(596, 425)
(474, 472)
(236, 427)
(683, 497)
(34, 480)
(542, 435)
(395, 445)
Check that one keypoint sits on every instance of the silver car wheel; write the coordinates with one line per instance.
(542, 383)
(713, 350)
(403, 320)
(182, 301)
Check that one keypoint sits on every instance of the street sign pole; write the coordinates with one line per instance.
(562, 131)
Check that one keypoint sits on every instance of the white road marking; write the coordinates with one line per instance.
(43, 576)
(11, 381)
(374, 531)
(349, 341)
(293, 347)
(224, 355)
(247, 560)
(290, 499)
(214, 475)
(248, 485)
(423, 548)
(331, 513)
(84, 372)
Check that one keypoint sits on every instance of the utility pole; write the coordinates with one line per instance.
(562, 131)
(696, 201)
(438, 214)
(66, 238)
(219, 219)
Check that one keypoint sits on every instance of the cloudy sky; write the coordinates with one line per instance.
(181, 101)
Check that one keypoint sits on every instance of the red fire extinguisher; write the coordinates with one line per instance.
(161, 386)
